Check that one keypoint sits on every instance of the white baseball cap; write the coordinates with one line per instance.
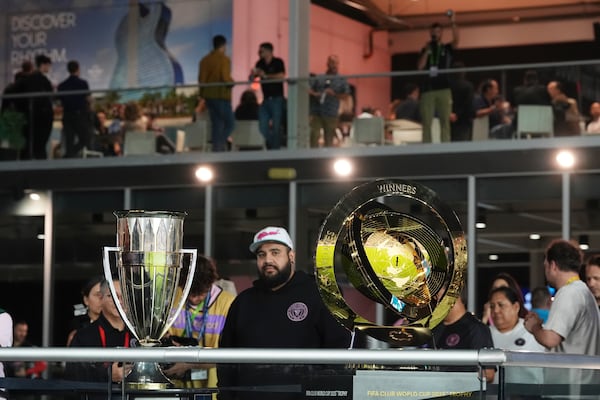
(271, 234)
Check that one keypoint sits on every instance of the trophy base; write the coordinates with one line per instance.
(398, 336)
(147, 376)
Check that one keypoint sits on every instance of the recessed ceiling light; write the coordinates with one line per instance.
(480, 225)
(493, 257)
(204, 174)
(342, 167)
(535, 236)
(565, 159)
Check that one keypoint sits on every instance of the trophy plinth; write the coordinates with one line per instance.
(399, 246)
(151, 266)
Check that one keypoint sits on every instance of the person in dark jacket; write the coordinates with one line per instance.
(108, 330)
(77, 115)
(40, 114)
(283, 309)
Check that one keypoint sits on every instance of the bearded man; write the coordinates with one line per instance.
(283, 309)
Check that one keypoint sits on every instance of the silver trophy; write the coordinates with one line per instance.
(151, 267)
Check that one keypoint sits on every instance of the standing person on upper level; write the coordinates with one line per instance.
(270, 113)
(40, 112)
(436, 97)
(77, 117)
(326, 93)
(215, 67)
(461, 118)
(531, 92)
(573, 324)
(565, 110)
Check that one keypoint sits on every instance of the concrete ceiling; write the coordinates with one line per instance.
(419, 14)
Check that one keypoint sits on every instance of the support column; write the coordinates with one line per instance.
(471, 243)
(566, 205)
(48, 303)
(298, 67)
(208, 220)
(536, 269)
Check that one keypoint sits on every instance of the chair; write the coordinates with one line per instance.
(405, 131)
(246, 135)
(481, 128)
(534, 119)
(195, 137)
(368, 131)
(139, 143)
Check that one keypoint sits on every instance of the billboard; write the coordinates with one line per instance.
(118, 43)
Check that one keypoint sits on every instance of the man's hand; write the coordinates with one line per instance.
(533, 322)
(178, 370)
(120, 372)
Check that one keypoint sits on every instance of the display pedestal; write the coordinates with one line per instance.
(414, 385)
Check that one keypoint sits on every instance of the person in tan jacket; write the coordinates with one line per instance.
(215, 67)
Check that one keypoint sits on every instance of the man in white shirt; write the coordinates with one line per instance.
(573, 325)
(6, 339)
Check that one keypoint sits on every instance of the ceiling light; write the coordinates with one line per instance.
(481, 222)
(342, 167)
(34, 196)
(535, 236)
(493, 257)
(565, 159)
(584, 242)
(204, 174)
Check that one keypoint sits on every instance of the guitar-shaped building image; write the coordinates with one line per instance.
(142, 57)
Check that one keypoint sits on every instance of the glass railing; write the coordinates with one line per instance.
(319, 373)
(338, 111)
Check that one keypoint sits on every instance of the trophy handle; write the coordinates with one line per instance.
(108, 276)
(193, 253)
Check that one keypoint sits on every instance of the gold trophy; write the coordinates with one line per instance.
(150, 266)
(399, 245)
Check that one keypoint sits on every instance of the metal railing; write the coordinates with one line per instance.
(408, 357)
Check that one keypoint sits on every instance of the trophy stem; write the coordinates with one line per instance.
(147, 376)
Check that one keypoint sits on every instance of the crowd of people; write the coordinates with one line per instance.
(448, 96)
(293, 315)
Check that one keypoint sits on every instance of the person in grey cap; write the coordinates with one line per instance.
(283, 309)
